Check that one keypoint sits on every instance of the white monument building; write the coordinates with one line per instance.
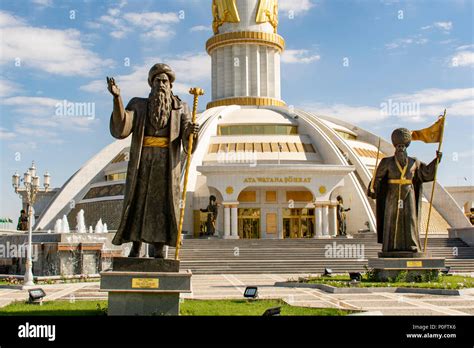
(275, 170)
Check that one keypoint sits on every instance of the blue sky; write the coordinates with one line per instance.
(343, 58)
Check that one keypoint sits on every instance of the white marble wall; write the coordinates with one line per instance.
(245, 70)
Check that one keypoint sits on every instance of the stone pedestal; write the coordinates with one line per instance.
(416, 268)
(144, 286)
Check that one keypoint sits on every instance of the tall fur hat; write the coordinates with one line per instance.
(160, 68)
(401, 136)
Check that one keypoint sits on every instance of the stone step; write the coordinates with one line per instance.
(216, 256)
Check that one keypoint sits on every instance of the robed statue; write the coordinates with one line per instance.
(159, 125)
(211, 211)
(398, 189)
(341, 216)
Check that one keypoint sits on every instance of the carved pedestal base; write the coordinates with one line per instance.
(409, 269)
(143, 286)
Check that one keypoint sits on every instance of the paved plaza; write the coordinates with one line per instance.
(231, 286)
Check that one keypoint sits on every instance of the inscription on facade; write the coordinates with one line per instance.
(283, 180)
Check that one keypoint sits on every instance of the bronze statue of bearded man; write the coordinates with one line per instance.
(160, 125)
(398, 188)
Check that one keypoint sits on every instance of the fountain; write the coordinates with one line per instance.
(58, 226)
(65, 225)
(99, 227)
(81, 224)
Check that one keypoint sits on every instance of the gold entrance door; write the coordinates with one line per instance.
(249, 223)
(298, 223)
(291, 227)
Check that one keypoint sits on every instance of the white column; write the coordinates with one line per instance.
(226, 221)
(228, 72)
(271, 71)
(263, 71)
(238, 65)
(332, 220)
(325, 220)
(245, 73)
(276, 68)
(220, 85)
(234, 222)
(318, 210)
(214, 74)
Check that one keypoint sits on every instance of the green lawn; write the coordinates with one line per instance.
(444, 282)
(188, 307)
(77, 308)
(250, 307)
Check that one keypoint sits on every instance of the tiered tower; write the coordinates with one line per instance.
(245, 52)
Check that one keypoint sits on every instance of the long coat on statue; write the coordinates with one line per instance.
(134, 123)
(398, 206)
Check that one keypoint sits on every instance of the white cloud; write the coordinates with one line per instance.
(24, 146)
(190, 69)
(9, 20)
(150, 19)
(297, 6)
(389, 2)
(465, 47)
(117, 34)
(151, 25)
(405, 42)
(44, 3)
(419, 106)
(436, 95)
(5, 134)
(447, 26)
(444, 26)
(54, 51)
(21, 100)
(158, 32)
(95, 86)
(200, 28)
(8, 87)
(113, 12)
(39, 114)
(36, 132)
(346, 112)
(431, 102)
(462, 58)
(298, 56)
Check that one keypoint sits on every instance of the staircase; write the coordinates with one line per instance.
(218, 256)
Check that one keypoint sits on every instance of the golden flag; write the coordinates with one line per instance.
(431, 134)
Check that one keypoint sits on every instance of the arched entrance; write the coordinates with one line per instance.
(275, 212)
(298, 223)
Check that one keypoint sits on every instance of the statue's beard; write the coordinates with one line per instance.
(160, 106)
(401, 156)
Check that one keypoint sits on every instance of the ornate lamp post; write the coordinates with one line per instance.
(31, 188)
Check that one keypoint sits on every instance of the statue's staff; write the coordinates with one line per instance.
(375, 168)
(436, 134)
(196, 92)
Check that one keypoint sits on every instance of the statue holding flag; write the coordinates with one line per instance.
(398, 187)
